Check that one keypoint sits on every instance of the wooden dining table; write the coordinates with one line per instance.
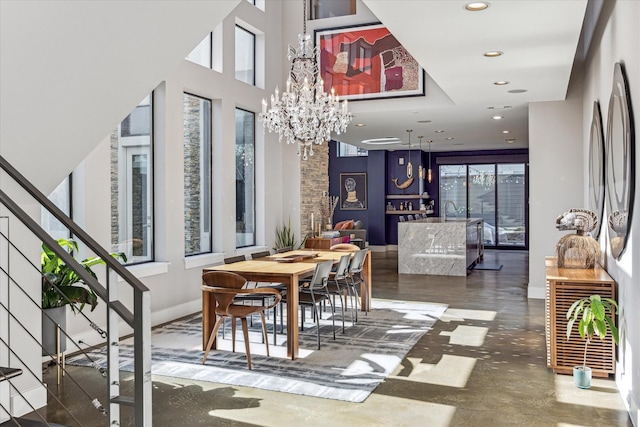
(269, 270)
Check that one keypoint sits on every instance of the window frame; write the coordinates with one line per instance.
(253, 54)
(254, 223)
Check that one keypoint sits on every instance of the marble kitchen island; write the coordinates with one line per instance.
(437, 246)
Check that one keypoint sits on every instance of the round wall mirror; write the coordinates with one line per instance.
(596, 168)
(620, 166)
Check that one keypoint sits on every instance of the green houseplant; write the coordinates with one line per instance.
(285, 238)
(61, 286)
(595, 316)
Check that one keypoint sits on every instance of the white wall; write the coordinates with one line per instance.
(555, 178)
(616, 39)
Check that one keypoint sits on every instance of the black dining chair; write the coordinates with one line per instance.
(313, 293)
(338, 285)
(279, 286)
(355, 276)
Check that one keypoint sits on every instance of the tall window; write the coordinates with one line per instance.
(245, 179)
(245, 56)
(197, 175)
(511, 204)
(132, 185)
(61, 197)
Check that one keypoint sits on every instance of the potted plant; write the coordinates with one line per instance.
(595, 315)
(285, 238)
(61, 286)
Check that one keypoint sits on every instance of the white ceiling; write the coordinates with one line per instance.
(539, 40)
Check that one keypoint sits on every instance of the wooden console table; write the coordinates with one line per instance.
(321, 243)
(564, 286)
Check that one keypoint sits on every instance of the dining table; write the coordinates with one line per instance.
(287, 268)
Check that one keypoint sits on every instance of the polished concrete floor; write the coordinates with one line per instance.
(483, 364)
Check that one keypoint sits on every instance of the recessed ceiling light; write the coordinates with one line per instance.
(510, 140)
(517, 91)
(458, 143)
(449, 138)
(501, 83)
(385, 140)
(360, 125)
(497, 117)
(439, 131)
(493, 54)
(424, 121)
(476, 6)
(505, 131)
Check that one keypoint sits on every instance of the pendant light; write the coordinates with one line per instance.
(429, 173)
(409, 165)
(420, 168)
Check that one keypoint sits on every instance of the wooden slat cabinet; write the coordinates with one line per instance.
(564, 286)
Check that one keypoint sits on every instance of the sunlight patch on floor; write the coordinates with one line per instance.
(602, 394)
(460, 315)
(472, 336)
(450, 371)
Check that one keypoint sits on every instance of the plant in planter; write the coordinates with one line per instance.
(61, 286)
(285, 238)
(594, 321)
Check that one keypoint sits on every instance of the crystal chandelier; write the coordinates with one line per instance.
(304, 114)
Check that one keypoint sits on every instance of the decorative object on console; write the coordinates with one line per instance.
(578, 250)
(620, 166)
(305, 114)
(327, 207)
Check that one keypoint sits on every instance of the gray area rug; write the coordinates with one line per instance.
(348, 369)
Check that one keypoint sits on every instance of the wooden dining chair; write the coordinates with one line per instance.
(225, 286)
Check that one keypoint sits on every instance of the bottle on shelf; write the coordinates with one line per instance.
(410, 205)
(401, 206)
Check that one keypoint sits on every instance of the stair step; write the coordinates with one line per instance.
(23, 422)
(6, 373)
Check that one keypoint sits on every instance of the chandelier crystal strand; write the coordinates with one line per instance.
(305, 114)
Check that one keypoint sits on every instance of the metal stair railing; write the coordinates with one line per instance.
(139, 319)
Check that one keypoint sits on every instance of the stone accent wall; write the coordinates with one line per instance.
(314, 174)
(192, 190)
(115, 227)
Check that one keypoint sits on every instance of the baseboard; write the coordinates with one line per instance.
(175, 312)
(383, 248)
(633, 407)
(535, 292)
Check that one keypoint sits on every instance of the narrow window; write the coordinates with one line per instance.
(197, 175)
(245, 56)
(132, 185)
(61, 197)
(245, 179)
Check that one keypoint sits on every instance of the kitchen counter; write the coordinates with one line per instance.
(437, 246)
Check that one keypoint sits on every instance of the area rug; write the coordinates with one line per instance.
(348, 369)
(482, 266)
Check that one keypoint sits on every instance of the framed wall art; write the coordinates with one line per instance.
(353, 191)
(367, 62)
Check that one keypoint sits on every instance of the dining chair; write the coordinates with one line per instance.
(279, 286)
(232, 259)
(313, 293)
(355, 275)
(225, 287)
(339, 286)
(285, 249)
(260, 254)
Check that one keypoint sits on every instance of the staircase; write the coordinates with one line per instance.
(19, 337)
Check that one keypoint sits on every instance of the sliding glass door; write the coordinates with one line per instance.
(495, 192)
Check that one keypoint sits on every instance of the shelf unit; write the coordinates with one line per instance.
(399, 212)
(405, 196)
(564, 286)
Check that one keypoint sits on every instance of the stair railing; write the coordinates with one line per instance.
(139, 319)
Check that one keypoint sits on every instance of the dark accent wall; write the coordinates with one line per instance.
(382, 166)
